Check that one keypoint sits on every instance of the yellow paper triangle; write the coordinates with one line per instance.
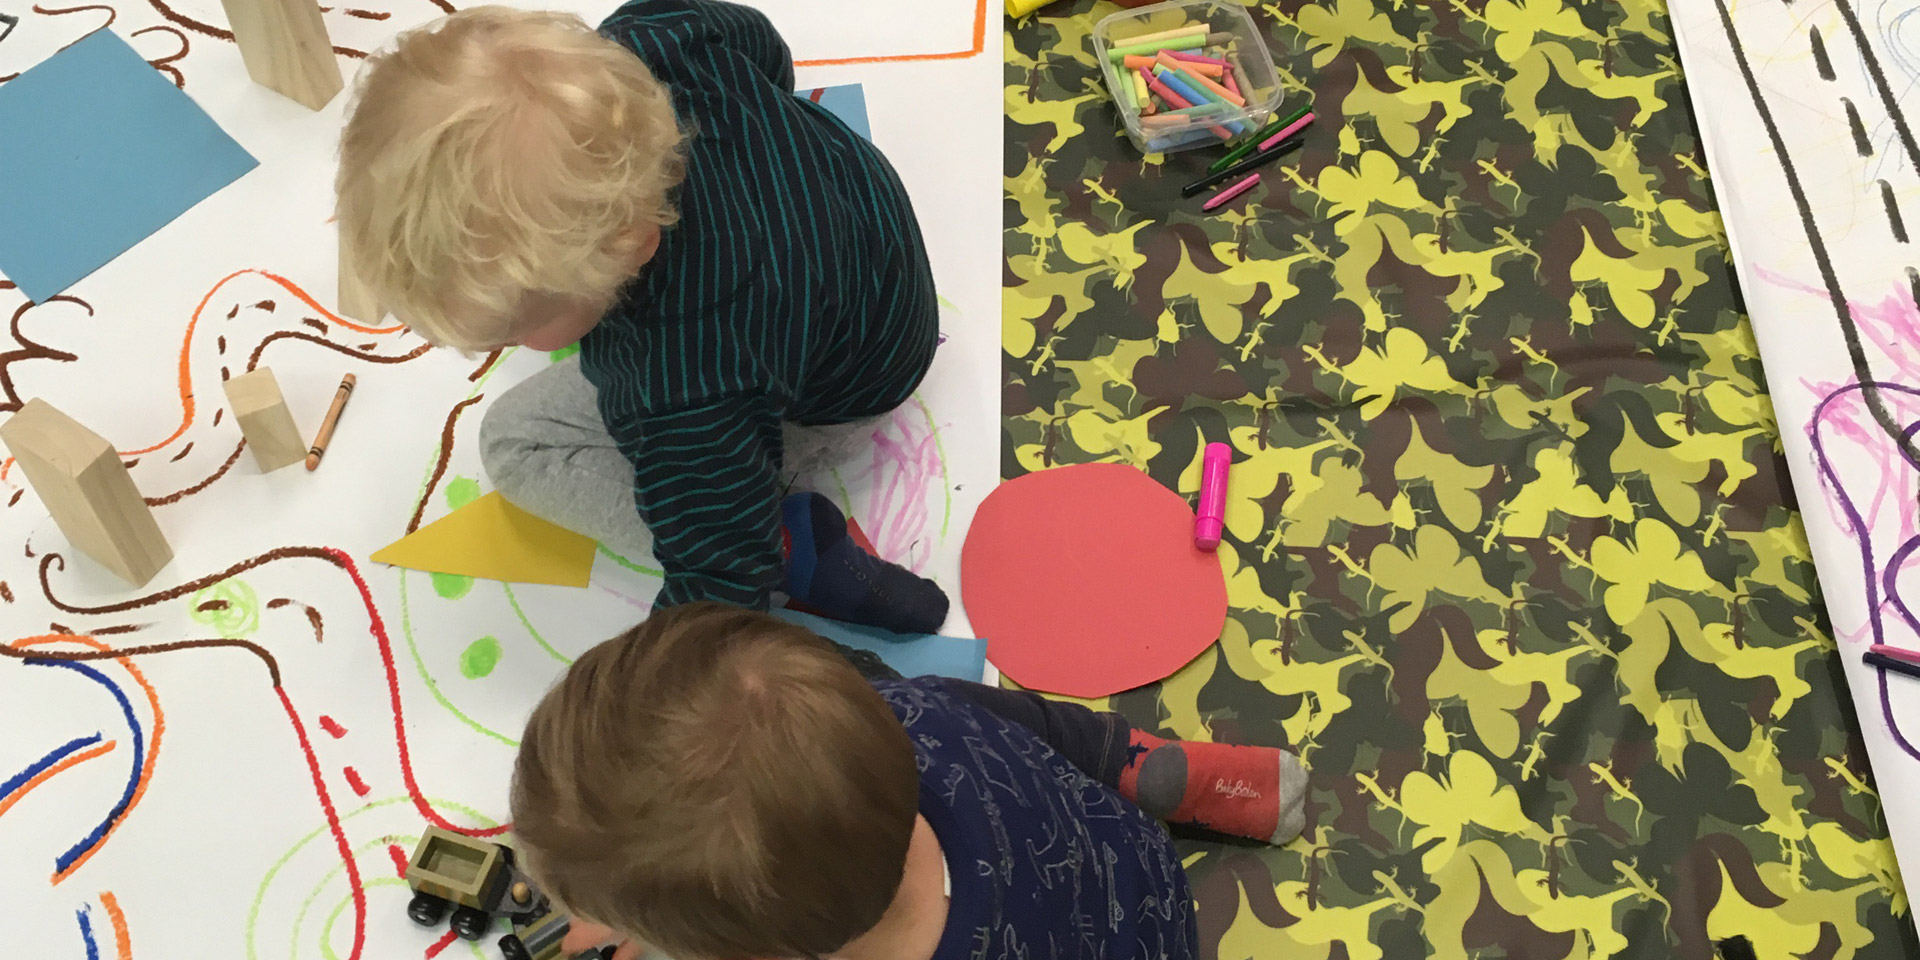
(495, 540)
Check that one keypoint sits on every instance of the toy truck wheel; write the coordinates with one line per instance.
(426, 909)
(469, 923)
(512, 949)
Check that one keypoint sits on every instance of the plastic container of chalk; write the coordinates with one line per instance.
(1230, 36)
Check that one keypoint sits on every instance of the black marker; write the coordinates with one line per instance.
(1885, 662)
(1261, 159)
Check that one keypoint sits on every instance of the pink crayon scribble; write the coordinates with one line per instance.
(907, 470)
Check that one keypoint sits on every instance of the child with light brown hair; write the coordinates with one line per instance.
(722, 785)
(742, 273)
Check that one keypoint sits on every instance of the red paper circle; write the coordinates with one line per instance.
(1085, 580)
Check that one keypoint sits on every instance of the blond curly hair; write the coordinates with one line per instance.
(498, 153)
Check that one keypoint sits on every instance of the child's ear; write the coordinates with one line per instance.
(637, 244)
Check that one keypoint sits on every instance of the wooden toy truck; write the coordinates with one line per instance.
(478, 882)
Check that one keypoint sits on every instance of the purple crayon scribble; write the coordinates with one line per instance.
(1835, 415)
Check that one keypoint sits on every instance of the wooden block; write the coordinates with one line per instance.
(286, 48)
(265, 420)
(355, 301)
(80, 478)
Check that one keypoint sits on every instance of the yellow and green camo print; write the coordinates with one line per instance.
(1511, 553)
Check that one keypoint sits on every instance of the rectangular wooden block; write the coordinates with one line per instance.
(265, 420)
(80, 478)
(286, 48)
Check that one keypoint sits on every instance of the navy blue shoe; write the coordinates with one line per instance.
(826, 570)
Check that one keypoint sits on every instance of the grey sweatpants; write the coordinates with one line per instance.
(547, 451)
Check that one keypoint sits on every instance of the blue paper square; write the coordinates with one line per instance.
(914, 655)
(847, 101)
(100, 151)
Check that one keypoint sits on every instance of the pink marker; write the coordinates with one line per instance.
(1898, 653)
(1286, 131)
(1231, 192)
(1209, 518)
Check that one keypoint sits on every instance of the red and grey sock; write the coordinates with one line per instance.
(1254, 792)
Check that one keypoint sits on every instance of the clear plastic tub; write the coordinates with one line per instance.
(1214, 122)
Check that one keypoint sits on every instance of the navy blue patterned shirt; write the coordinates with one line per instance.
(795, 288)
(1046, 863)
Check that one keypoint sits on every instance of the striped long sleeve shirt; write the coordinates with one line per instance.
(794, 288)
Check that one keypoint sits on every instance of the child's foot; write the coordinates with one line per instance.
(1254, 792)
(828, 571)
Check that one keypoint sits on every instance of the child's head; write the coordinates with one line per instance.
(720, 784)
(504, 171)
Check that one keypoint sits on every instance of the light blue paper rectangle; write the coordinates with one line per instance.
(98, 151)
(847, 101)
(913, 654)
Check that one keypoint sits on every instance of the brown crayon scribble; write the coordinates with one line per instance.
(6, 592)
(254, 360)
(485, 365)
(99, 631)
(48, 562)
(273, 666)
(440, 465)
(175, 496)
(29, 349)
(165, 64)
(356, 12)
(313, 616)
(207, 29)
(182, 455)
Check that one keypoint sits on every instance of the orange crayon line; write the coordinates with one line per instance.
(153, 736)
(185, 375)
(97, 750)
(122, 940)
(979, 44)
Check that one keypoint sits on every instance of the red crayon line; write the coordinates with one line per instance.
(446, 940)
(333, 729)
(353, 780)
(399, 860)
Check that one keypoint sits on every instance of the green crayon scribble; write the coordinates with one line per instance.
(229, 608)
(479, 658)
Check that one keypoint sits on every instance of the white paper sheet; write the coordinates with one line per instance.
(267, 818)
(1820, 210)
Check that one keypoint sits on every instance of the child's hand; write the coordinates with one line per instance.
(582, 935)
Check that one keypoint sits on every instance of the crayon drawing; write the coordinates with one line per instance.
(1816, 145)
(235, 759)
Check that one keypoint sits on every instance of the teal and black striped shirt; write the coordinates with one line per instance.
(794, 288)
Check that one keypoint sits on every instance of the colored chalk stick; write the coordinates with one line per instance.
(1179, 139)
(1192, 57)
(1120, 54)
(1212, 90)
(1190, 30)
(1165, 93)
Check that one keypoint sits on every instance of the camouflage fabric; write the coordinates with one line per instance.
(1512, 557)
